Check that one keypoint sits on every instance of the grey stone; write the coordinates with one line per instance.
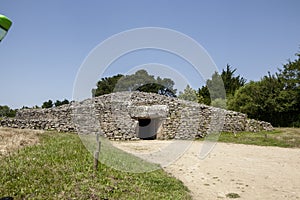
(116, 117)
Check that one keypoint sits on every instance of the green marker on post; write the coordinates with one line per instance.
(5, 24)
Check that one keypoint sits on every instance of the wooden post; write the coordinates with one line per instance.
(96, 154)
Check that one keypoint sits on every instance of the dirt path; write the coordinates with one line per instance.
(251, 172)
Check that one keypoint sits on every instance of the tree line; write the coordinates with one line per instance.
(139, 81)
(50, 103)
(274, 98)
(6, 111)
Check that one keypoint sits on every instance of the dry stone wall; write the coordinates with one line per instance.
(117, 116)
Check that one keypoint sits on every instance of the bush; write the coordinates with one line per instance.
(5, 111)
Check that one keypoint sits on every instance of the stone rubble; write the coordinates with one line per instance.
(116, 117)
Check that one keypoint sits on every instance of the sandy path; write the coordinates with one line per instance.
(252, 172)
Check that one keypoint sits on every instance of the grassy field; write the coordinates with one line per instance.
(281, 137)
(60, 167)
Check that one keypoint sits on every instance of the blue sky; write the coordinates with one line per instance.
(49, 40)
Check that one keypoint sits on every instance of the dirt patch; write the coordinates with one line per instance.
(14, 139)
(233, 170)
(230, 171)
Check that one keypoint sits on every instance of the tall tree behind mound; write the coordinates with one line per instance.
(275, 98)
(139, 81)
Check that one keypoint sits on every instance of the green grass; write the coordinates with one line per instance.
(61, 168)
(117, 158)
(233, 195)
(280, 137)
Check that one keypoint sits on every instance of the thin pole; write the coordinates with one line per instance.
(96, 154)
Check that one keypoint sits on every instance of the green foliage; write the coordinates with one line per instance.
(61, 168)
(290, 74)
(280, 137)
(214, 89)
(203, 95)
(134, 81)
(259, 99)
(60, 103)
(142, 81)
(156, 88)
(188, 94)
(243, 100)
(139, 81)
(166, 87)
(233, 195)
(290, 95)
(106, 85)
(47, 104)
(25, 107)
(219, 103)
(231, 82)
(275, 98)
(5, 111)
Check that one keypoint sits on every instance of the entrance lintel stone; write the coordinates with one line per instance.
(154, 111)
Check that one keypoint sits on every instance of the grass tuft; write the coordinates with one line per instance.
(233, 195)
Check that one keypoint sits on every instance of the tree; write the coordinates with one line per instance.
(244, 101)
(227, 80)
(188, 94)
(134, 81)
(160, 86)
(139, 81)
(231, 82)
(214, 89)
(261, 100)
(290, 74)
(203, 95)
(167, 87)
(47, 104)
(289, 96)
(219, 103)
(106, 85)
(6, 111)
(60, 103)
(156, 88)
(275, 98)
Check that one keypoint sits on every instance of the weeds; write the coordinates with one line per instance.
(233, 195)
(61, 168)
(280, 137)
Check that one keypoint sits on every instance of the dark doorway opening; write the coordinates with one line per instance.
(144, 122)
(147, 128)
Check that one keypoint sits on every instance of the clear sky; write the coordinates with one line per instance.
(49, 40)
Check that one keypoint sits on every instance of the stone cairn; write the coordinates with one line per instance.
(116, 117)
